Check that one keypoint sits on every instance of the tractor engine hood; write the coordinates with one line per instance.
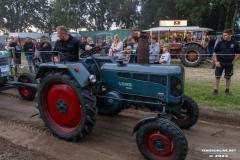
(146, 68)
(163, 82)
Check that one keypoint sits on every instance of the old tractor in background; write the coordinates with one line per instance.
(70, 95)
(193, 52)
(26, 83)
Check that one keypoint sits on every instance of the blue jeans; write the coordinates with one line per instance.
(210, 49)
(29, 58)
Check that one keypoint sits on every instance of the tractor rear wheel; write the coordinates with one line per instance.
(25, 92)
(192, 55)
(161, 139)
(189, 114)
(66, 109)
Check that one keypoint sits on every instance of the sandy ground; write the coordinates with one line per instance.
(27, 138)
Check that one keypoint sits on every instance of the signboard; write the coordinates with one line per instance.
(168, 23)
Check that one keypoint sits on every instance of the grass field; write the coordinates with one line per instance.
(199, 84)
(202, 93)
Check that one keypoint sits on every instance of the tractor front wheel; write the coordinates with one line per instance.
(26, 92)
(189, 114)
(161, 139)
(66, 109)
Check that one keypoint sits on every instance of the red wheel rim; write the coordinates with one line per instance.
(62, 107)
(24, 91)
(192, 56)
(160, 145)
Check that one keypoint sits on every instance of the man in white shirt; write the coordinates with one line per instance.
(165, 57)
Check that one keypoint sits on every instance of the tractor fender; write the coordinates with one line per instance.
(197, 43)
(144, 120)
(77, 70)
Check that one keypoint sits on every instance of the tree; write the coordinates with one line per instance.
(102, 14)
(127, 16)
(155, 10)
(215, 14)
(69, 13)
(22, 14)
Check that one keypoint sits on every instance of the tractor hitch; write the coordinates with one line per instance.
(20, 84)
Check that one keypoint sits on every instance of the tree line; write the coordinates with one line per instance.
(46, 15)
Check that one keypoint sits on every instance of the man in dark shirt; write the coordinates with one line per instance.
(29, 50)
(84, 40)
(15, 49)
(224, 57)
(45, 46)
(68, 46)
(211, 44)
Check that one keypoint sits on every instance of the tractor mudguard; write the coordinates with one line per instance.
(144, 120)
(77, 70)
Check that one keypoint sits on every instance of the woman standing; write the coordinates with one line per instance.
(133, 57)
(116, 47)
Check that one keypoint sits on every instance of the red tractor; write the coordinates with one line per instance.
(194, 52)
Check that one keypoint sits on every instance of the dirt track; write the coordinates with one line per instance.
(110, 139)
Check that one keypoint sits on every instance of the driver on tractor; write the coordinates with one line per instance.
(68, 46)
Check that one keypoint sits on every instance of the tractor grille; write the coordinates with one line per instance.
(5, 67)
(4, 61)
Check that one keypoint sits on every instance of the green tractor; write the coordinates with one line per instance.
(70, 95)
(26, 83)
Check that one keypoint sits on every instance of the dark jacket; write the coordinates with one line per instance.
(69, 48)
(143, 49)
(26, 48)
(46, 56)
(47, 48)
(211, 42)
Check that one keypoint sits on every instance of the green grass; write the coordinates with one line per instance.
(202, 91)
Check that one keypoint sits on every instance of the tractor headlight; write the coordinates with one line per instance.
(92, 79)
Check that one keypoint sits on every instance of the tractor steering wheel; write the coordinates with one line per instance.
(93, 51)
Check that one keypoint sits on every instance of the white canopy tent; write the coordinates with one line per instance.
(180, 29)
(190, 28)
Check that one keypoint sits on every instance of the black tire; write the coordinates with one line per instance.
(161, 139)
(25, 92)
(192, 55)
(66, 109)
(190, 113)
